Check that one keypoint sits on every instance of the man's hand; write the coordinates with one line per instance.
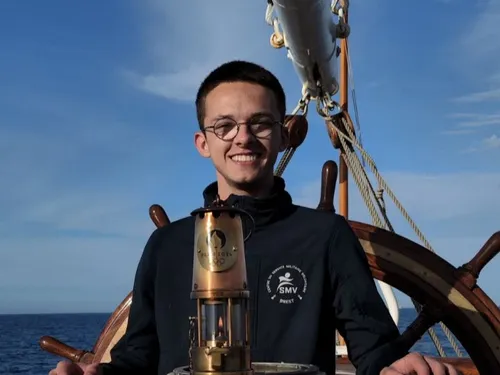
(416, 364)
(70, 368)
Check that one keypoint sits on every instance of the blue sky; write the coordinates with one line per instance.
(97, 121)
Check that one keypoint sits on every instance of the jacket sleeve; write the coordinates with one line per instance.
(137, 352)
(362, 317)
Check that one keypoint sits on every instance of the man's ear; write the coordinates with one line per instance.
(285, 139)
(200, 142)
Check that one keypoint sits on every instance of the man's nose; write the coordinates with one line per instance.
(244, 135)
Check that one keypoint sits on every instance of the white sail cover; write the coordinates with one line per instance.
(309, 32)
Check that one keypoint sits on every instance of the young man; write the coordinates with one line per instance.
(241, 109)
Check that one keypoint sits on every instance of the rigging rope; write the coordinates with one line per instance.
(354, 164)
(350, 74)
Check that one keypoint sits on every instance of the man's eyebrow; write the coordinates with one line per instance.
(262, 114)
(252, 116)
(223, 117)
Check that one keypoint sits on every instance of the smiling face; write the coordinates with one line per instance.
(243, 155)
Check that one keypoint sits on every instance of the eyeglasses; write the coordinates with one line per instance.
(227, 129)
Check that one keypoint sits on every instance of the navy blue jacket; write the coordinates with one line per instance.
(329, 286)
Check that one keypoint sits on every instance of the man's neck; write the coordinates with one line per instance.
(259, 190)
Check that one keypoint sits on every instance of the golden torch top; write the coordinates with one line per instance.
(219, 267)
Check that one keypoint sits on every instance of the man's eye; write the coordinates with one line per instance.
(262, 123)
(224, 127)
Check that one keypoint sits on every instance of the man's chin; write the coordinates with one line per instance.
(249, 183)
(246, 181)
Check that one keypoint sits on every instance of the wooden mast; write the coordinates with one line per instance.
(343, 102)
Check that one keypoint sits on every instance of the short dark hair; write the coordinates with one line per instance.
(239, 71)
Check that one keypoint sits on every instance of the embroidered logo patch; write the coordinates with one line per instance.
(287, 284)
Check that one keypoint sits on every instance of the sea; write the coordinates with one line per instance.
(20, 352)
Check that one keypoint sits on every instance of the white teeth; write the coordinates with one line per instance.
(244, 157)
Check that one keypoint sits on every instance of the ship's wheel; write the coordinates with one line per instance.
(447, 294)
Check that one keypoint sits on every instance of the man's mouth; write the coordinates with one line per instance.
(242, 158)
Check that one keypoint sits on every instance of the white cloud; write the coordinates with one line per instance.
(481, 96)
(474, 120)
(458, 132)
(190, 38)
(180, 85)
(488, 144)
(470, 123)
(478, 52)
(480, 38)
(492, 142)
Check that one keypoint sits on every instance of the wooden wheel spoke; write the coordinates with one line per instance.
(328, 181)
(426, 318)
(158, 215)
(469, 272)
(56, 347)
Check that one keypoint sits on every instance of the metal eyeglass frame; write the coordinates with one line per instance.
(212, 128)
